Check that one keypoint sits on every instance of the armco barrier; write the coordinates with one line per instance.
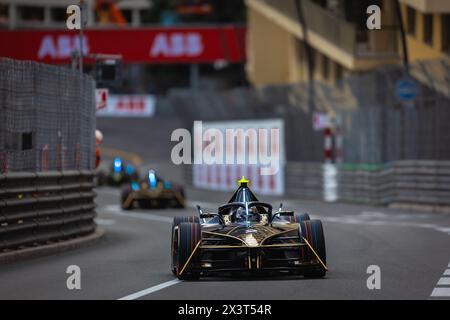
(401, 183)
(36, 208)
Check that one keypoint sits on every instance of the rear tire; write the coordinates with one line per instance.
(312, 231)
(297, 217)
(185, 240)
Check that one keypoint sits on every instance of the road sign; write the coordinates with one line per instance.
(101, 98)
(406, 90)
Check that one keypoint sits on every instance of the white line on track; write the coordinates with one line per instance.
(444, 281)
(441, 292)
(105, 222)
(442, 289)
(108, 191)
(150, 290)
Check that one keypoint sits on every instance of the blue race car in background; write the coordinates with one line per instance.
(120, 172)
(152, 193)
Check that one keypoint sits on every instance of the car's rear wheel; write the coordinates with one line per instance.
(176, 222)
(185, 240)
(312, 231)
(297, 217)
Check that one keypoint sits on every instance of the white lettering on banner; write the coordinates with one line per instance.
(128, 106)
(61, 46)
(243, 143)
(176, 45)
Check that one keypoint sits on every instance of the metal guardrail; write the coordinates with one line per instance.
(36, 208)
(425, 183)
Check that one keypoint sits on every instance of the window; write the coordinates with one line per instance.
(4, 14)
(18, 141)
(325, 67)
(127, 14)
(411, 16)
(428, 28)
(338, 72)
(27, 141)
(446, 33)
(58, 14)
(31, 13)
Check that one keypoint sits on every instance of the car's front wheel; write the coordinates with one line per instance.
(312, 232)
(186, 238)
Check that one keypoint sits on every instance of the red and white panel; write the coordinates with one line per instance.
(128, 106)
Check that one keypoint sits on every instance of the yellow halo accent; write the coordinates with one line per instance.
(243, 182)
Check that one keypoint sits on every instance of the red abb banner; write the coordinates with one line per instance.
(143, 45)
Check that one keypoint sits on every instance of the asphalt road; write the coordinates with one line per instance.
(410, 248)
(132, 260)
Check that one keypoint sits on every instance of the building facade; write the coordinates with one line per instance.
(336, 33)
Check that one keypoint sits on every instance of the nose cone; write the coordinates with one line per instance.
(243, 193)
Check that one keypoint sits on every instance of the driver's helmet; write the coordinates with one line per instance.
(152, 180)
(117, 165)
(240, 215)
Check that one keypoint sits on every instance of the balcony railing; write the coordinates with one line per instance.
(343, 34)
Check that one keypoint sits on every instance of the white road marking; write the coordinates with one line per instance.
(441, 292)
(444, 281)
(109, 191)
(150, 290)
(360, 220)
(373, 214)
(105, 222)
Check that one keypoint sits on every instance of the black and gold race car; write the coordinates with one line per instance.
(152, 193)
(247, 236)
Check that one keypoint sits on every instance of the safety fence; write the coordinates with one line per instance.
(424, 184)
(47, 117)
(47, 154)
(374, 126)
(42, 207)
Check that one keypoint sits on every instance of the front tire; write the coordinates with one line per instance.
(185, 238)
(176, 222)
(312, 231)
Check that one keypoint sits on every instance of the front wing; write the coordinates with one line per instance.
(238, 258)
